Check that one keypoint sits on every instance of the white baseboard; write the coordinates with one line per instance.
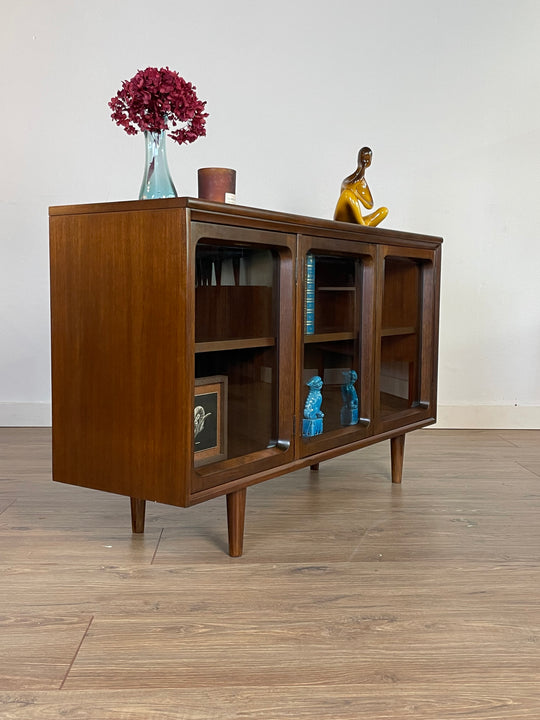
(487, 417)
(25, 414)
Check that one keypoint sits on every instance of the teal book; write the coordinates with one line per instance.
(309, 295)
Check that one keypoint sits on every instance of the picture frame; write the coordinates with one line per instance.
(210, 420)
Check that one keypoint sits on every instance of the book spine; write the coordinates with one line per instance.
(309, 296)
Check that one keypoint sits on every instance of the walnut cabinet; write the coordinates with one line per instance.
(184, 334)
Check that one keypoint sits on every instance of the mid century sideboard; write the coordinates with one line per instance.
(184, 334)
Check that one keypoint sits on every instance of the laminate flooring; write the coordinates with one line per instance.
(354, 598)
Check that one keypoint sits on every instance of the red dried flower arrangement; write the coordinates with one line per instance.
(155, 100)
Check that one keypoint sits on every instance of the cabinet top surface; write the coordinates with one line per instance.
(204, 210)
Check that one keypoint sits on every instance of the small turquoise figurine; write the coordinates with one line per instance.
(313, 423)
(349, 411)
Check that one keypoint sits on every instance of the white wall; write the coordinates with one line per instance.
(445, 92)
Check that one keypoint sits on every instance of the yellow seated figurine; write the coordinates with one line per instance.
(355, 190)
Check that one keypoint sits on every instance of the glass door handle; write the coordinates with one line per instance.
(364, 421)
(283, 445)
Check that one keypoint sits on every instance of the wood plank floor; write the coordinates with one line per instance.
(354, 598)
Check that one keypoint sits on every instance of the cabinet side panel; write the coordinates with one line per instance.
(118, 342)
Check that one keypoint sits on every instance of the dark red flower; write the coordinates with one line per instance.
(158, 100)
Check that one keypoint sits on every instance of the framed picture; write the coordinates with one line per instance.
(210, 420)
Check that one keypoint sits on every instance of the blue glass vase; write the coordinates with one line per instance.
(157, 181)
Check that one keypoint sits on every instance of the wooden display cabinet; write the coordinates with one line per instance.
(183, 338)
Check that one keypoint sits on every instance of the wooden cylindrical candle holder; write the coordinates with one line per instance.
(217, 184)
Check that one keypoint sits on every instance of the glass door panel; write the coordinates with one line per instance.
(236, 296)
(406, 341)
(401, 323)
(334, 398)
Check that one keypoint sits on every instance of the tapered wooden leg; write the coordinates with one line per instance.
(236, 513)
(138, 509)
(397, 447)
(314, 467)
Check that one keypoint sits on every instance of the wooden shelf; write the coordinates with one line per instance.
(392, 403)
(238, 344)
(394, 331)
(329, 337)
(339, 288)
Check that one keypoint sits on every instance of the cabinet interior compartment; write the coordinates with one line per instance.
(400, 366)
(331, 346)
(236, 330)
